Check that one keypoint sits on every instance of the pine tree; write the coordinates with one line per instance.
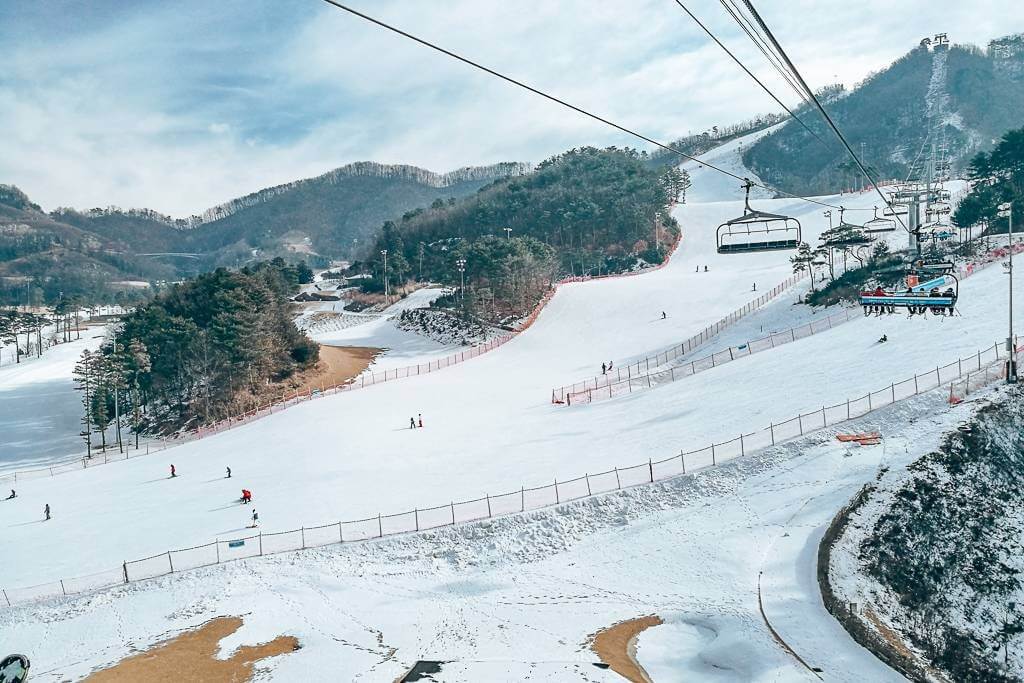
(85, 382)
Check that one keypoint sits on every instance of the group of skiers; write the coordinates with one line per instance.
(698, 269)
(607, 367)
(46, 508)
(413, 424)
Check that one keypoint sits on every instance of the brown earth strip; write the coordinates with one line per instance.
(616, 646)
(192, 656)
(338, 364)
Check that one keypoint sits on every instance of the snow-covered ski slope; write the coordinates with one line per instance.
(489, 428)
(41, 415)
(489, 425)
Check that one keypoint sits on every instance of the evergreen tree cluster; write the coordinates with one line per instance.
(996, 177)
(207, 348)
(587, 211)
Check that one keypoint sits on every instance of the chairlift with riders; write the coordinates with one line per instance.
(757, 230)
(931, 286)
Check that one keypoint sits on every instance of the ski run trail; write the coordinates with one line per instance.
(515, 598)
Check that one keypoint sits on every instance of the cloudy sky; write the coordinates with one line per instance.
(181, 105)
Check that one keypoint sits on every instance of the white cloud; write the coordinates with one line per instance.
(181, 110)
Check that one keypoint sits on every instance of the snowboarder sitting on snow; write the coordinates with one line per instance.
(663, 316)
(13, 495)
(883, 339)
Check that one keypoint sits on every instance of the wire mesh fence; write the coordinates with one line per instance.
(681, 370)
(643, 366)
(961, 376)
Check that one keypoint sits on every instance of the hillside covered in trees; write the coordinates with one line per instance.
(207, 348)
(108, 254)
(587, 211)
(969, 97)
(996, 178)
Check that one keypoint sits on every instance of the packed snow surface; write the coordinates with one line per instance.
(524, 589)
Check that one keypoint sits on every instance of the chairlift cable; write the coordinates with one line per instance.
(748, 72)
(741, 20)
(817, 103)
(580, 110)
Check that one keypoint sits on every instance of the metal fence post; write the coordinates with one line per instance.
(587, 477)
(870, 407)
(847, 409)
(771, 428)
(650, 469)
(682, 461)
(489, 505)
(453, 512)
(618, 484)
(7, 598)
(380, 527)
(416, 512)
(341, 536)
(169, 562)
(556, 491)
(261, 544)
(892, 388)
(216, 546)
(62, 589)
(800, 421)
(303, 532)
(124, 568)
(824, 420)
(713, 453)
(916, 391)
(522, 499)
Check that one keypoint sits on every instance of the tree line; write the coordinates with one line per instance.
(588, 211)
(206, 349)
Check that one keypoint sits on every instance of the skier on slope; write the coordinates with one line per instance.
(412, 423)
(604, 368)
(421, 420)
(884, 338)
(255, 519)
(174, 472)
(229, 472)
(46, 511)
(663, 316)
(13, 495)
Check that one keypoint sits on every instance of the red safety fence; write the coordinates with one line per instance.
(969, 372)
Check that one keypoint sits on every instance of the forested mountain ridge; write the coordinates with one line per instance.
(82, 253)
(965, 97)
(586, 211)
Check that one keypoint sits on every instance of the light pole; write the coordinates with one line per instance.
(117, 407)
(384, 252)
(461, 263)
(1006, 210)
(508, 233)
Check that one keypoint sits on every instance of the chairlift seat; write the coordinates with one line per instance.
(753, 231)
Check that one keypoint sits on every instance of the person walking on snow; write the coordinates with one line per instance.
(755, 287)
(420, 415)
(229, 472)
(663, 316)
(255, 519)
(46, 511)
(705, 269)
(609, 366)
(173, 471)
(604, 368)
(412, 423)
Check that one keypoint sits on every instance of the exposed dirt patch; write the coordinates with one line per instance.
(616, 646)
(192, 656)
(337, 365)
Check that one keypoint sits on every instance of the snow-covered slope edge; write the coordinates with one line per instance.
(925, 569)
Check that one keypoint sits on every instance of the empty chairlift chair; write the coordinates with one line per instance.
(879, 224)
(757, 230)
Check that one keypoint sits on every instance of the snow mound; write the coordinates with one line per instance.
(445, 327)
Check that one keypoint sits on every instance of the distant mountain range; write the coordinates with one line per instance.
(322, 218)
(959, 97)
